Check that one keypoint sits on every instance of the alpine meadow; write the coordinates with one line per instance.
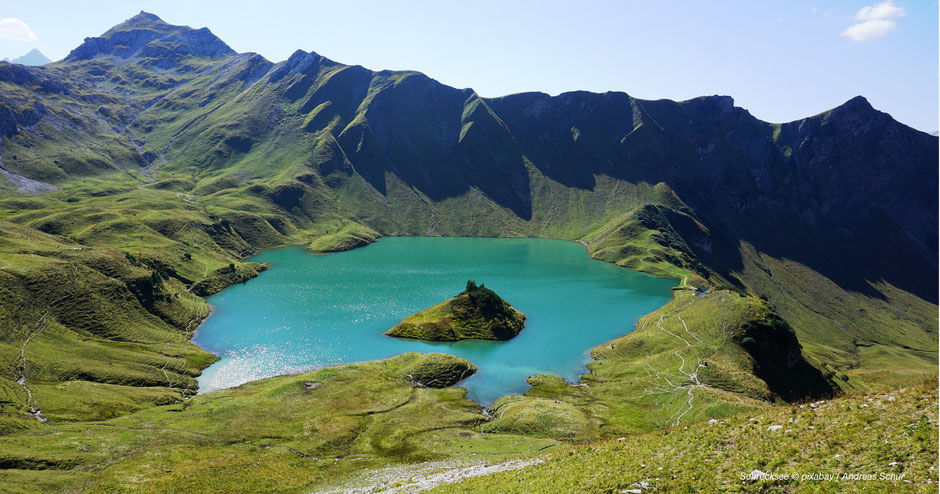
(144, 171)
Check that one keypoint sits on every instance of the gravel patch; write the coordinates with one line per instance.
(426, 476)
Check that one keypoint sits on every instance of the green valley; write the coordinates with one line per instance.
(140, 173)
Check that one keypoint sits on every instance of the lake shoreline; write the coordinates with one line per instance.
(573, 378)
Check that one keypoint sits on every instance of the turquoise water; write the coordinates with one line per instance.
(311, 311)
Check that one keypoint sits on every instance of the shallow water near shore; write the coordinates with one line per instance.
(310, 311)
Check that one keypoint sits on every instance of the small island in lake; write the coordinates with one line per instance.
(476, 313)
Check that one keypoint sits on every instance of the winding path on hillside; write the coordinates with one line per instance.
(690, 378)
(32, 404)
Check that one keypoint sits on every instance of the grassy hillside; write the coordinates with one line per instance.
(864, 340)
(887, 441)
(290, 433)
(688, 361)
(384, 422)
(101, 286)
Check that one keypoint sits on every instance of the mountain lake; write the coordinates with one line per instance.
(310, 311)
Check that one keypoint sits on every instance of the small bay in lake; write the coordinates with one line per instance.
(310, 311)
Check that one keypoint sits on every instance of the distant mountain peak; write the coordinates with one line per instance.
(32, 57)
(147, 37)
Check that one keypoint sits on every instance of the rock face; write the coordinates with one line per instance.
(438, 370)
(476, 313)
(778, 359)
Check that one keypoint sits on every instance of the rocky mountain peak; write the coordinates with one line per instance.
(857, 106)
(300, 62)
(856, 115)
(146, 36)
(141, 20)
(144, 16)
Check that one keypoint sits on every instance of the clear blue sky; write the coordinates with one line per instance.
(780, 60)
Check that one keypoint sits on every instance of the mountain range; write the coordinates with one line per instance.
(147, 164)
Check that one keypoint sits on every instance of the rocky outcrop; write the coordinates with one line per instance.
(476, 313)
(438, 370)
(778, 359)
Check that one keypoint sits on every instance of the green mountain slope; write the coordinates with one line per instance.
(874, 443)
(702, 356)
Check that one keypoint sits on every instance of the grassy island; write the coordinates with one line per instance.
(476, 313)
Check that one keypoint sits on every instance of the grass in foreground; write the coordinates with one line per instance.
(891, 437)
(290, 434)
